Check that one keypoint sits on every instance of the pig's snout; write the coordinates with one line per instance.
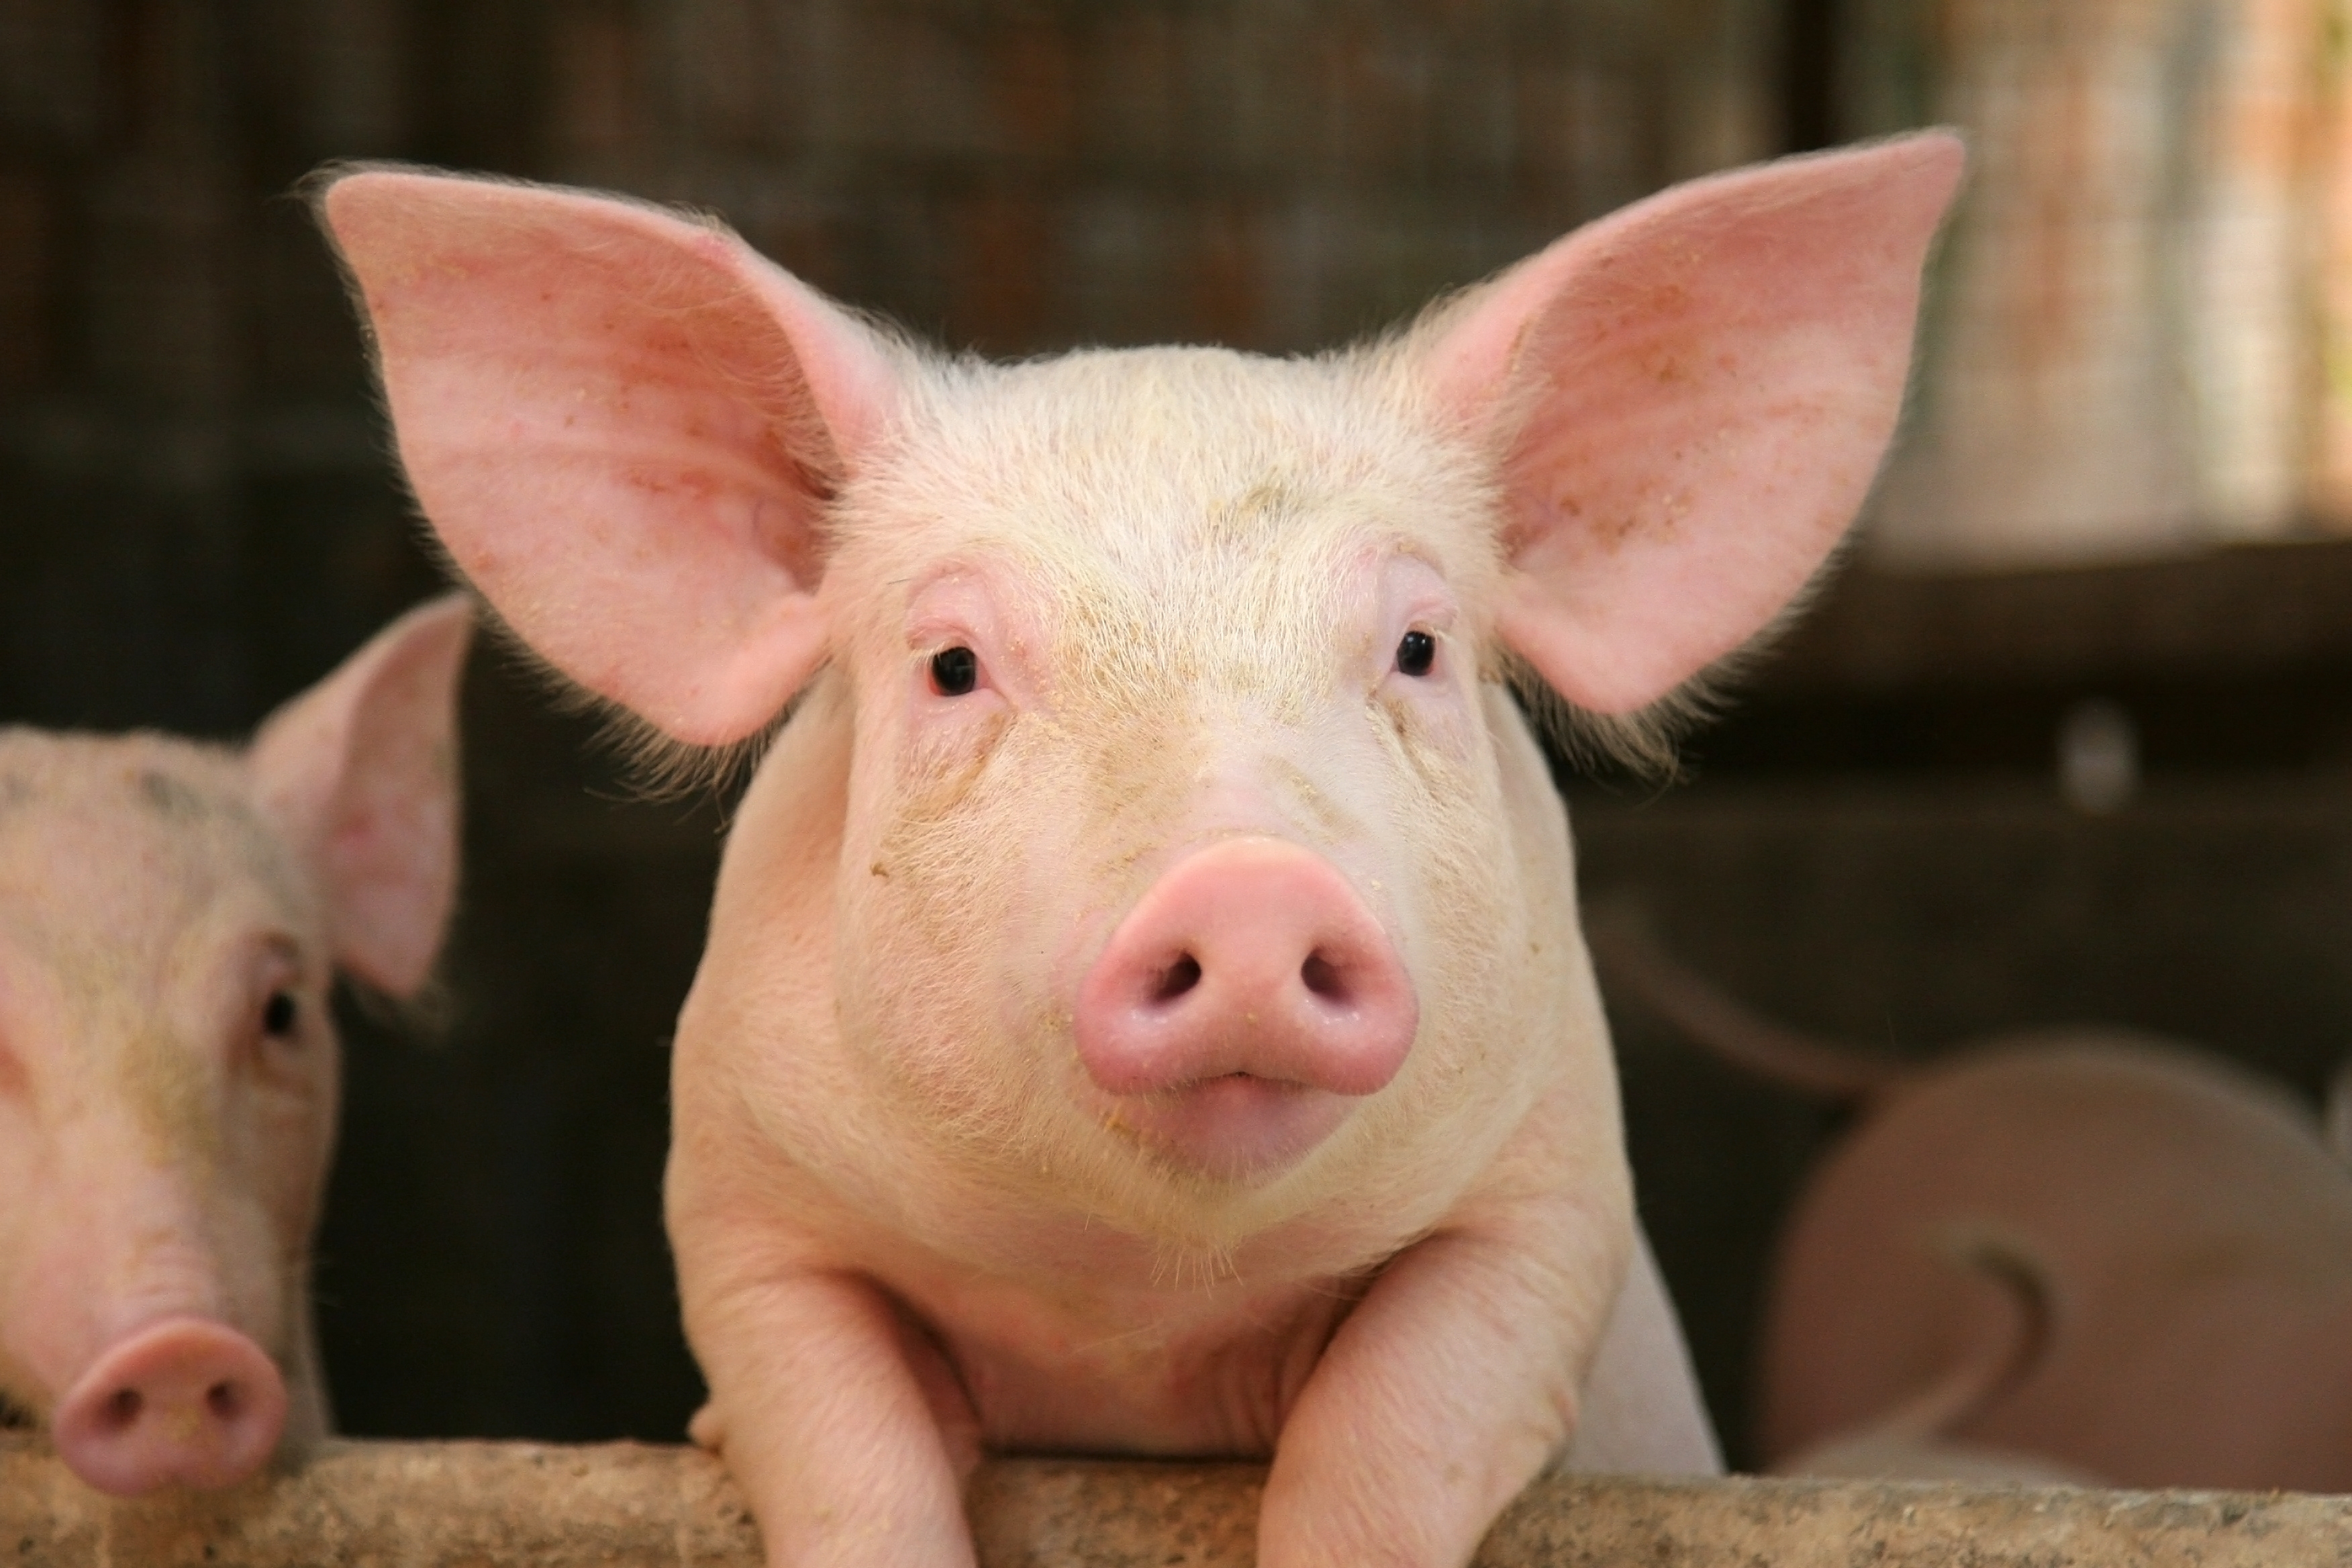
(184, 1401)
(1247, 989)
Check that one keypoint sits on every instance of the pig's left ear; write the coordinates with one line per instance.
(1690, 399)
(361, 773)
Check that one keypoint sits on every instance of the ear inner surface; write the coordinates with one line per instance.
(1691, 399)
(360, 772)
(624, 425)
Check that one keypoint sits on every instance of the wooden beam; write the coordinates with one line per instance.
(2228, 614)
(520, 1505)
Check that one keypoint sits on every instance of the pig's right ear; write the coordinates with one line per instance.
(360, 772)
(625, 427)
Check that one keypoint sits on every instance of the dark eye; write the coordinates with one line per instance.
(1416, 651)
(278, 1014)
(955, 671)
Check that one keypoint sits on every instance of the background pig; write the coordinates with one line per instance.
(1143, 1008)
(2075, 1254)
(170, 917)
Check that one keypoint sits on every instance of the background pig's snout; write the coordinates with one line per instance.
(1251, 957)
(181, 1403)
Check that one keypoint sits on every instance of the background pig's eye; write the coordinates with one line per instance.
(278, 1014)
(955, 671)
(1416, 653)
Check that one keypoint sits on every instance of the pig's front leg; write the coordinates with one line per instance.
(842, 1423)
(1450, 1387)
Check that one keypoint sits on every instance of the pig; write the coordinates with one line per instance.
(172, 914)
(2080, 1255)
(1143, 1010)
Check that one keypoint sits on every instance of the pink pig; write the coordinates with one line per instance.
(2068, 1255)
(1144, 1011)
(2185, 1232)
(171, 915)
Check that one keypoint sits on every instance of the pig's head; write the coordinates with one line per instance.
(1183, 862)
(171, 917)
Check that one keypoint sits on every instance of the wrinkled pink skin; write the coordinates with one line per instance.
(2195, 1238)
(1180, 1042)
(164, 1128)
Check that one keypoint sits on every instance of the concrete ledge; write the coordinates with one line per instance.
(517, 1505)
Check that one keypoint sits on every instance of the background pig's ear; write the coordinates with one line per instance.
(625, 425)
(1691, 398)
(361, 773)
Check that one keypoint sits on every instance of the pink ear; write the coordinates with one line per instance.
(1691, 398)
(625, 427)
(361, 773)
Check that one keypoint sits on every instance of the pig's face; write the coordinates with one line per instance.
(168, 1073)
(171, 916)
(1271, 629)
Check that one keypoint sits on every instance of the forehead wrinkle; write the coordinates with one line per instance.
(1332, 822)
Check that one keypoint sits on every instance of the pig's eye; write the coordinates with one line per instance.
(955, 671)
(278, 1015)
(1416, 651)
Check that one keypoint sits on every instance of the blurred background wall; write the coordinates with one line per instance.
(1955, 803)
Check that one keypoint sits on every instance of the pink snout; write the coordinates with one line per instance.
(1245, 997)
(184, 1401)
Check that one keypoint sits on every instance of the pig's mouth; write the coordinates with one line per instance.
(1234, 1126)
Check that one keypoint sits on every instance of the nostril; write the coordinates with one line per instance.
(224, 1400)
(1179, 977)
(1323, 978)
(122, 1409)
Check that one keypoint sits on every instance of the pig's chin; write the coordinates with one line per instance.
(1233, 1128)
